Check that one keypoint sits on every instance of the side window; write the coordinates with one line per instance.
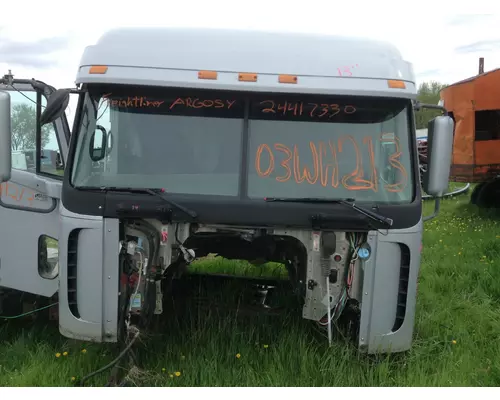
(487, 125)
(23, 125)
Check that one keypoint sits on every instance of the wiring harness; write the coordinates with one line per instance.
(355, 240)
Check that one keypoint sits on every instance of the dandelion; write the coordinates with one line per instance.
(58, 355)
(238, 355)
(171, 376)
(177, 373)
(65, 353)
(73, 378)
(454, 341)
(266, 346)
(84, 351)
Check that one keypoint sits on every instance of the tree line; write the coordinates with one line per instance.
(428, 92)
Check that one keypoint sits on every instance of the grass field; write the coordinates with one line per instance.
(456, 336)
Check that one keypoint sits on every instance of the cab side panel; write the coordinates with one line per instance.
(390, 290)
(88, 278)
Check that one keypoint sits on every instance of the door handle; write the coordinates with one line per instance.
(48, 187)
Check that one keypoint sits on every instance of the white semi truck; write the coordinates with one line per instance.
(296, 149)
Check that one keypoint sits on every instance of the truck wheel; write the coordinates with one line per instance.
(488, 196)
(475, 193)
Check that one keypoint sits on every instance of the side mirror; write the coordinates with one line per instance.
(439, 152)
(5, 138)
(97, 144)
(59, 163)
(56, 105)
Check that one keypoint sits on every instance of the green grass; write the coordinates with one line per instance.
(456, 341)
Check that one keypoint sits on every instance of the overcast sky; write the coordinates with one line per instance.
(443, 39)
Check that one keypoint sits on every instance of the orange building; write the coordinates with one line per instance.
(474, 104)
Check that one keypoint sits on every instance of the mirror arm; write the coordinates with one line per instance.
(417, 106)
(437, 203)
(39, 86)
(76, 91)
(8, 80)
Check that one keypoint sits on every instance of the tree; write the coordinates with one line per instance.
(24, 128)
(428, 92)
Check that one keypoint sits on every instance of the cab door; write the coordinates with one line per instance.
(30, 200)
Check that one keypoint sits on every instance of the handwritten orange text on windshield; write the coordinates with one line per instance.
(283, 163)
(133, 102)
(298, 109)
(190, 102)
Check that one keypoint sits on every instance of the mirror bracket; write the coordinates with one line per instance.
(38, 86)
(437, 203)
(418, 106)
(8, 80)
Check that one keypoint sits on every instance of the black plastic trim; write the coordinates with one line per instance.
(238, 210)
(72, 267)
(404, 279)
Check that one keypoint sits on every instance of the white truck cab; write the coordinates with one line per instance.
(297, 149)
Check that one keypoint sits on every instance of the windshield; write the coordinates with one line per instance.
(247, 145)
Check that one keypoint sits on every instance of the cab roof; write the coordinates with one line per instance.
(236, 51)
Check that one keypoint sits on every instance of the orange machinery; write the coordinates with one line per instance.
(474, 104)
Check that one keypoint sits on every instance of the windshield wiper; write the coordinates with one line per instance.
(347, 202)
(153, 192)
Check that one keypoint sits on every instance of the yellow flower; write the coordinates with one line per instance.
(163, 370)
(266, 346)
(58, 355)
(84, 351)
(65, 353)
(171, 376)
(238, 355)
(73, 379)
(177, 373)
(454, 341)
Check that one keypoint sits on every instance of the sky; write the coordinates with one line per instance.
(443, 39)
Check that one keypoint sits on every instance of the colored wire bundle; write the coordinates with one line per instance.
(355, 241)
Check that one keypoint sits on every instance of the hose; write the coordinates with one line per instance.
(112, 363)
(28, 313)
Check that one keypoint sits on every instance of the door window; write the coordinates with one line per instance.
(23, 127)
